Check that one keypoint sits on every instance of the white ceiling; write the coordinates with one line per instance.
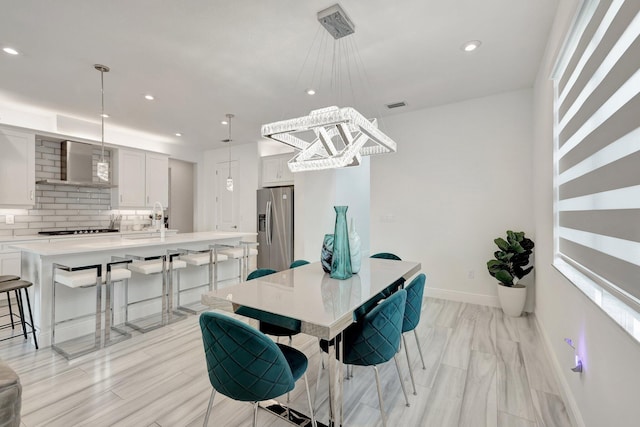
(204, 58)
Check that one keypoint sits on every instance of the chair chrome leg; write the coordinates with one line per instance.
(206, 417)
(384, 418)
(306, 386)
(321, 358)
(404, 391)
(419, 348)
(406, 352)
(318, 377)
(255, 414)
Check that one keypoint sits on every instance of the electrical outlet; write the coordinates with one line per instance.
(471, 274)
(9, 219)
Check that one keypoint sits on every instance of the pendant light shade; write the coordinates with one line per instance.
(228, 141)
(103, 166)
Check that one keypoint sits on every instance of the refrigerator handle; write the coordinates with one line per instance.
(268, 218)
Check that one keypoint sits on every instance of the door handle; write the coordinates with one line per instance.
(234, 226)
(268, 218)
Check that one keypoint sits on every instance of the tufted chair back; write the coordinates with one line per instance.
(298, 263)
(376, 338)
(260, 273)
(415, 291)
(386, 255)
(243, 363)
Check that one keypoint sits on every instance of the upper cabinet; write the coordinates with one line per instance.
(17, 168)
(275, 171)
(157, 179)
(142, 179)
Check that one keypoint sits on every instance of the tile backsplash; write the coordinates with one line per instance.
(63, 207)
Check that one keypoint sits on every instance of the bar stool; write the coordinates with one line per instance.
(6, 278)
(240, 252)
(114, 275)
(199, 258)
(16, 285)
(77, 277)
(149, 265)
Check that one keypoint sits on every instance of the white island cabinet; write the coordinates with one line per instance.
(37, 260)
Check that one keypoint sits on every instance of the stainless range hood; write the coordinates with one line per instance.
(76, 167)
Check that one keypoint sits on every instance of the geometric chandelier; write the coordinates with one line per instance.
(331, 137)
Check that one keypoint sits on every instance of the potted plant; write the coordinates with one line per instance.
(511, 263)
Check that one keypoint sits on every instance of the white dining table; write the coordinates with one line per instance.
(324, 306)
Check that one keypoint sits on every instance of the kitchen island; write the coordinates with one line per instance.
(37, 260)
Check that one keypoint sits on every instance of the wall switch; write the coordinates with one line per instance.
(9, 219)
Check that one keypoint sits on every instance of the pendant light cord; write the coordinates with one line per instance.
(229, 116)
(102, 113)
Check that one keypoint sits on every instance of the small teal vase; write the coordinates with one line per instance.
(341, 259)
(327, 253)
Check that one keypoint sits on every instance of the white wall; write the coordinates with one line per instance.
(606, 392)
(316, 194)
(461, 177)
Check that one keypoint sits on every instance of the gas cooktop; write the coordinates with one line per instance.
(83, 232)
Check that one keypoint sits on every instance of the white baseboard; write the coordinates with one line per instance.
(489, 300)
(572, 410)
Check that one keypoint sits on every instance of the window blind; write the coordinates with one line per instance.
(597, 157)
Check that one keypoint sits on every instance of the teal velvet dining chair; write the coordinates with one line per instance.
(246, 365)
(271, 324)
(398, 283)
(415, 292)
(299, 263)
(375, 339)
(386, 255)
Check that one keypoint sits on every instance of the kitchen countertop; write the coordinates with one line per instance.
(36, 237)
(82, 244)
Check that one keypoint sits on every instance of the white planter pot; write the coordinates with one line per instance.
(512, 299)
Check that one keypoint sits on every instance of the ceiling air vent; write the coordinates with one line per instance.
(396, 105)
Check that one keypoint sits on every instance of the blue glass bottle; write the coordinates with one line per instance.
(341, 260)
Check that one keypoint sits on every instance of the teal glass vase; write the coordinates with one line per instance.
(341, 259)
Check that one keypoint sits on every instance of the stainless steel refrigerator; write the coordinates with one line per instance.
(275, 227)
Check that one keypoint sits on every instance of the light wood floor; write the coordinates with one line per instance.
(482, 369)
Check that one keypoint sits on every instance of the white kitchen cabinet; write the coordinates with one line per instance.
(157, 179)
(275, 171)
(17, 168)
(141, 178)
(10, 263)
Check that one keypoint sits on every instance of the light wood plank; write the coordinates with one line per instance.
(159, 379)
(550, 410)
(479, 407)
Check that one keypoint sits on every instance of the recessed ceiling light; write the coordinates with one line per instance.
(178, 134)
(149, 97)
(10, 51)
(311, 92)
(105, 115)
(224, 122)
(471, 45)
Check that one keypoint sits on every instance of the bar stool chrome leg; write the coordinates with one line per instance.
(77, 277)
(114, 275)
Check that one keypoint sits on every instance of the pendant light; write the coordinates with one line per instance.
(103, 166)
(228, 141)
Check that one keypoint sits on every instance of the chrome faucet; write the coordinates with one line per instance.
(161, 223)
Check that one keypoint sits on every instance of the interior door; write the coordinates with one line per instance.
(227, 212)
